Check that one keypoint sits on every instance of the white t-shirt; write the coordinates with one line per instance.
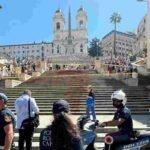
(21, 107)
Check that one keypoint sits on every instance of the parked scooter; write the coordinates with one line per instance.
(139, 141)
(87, 131)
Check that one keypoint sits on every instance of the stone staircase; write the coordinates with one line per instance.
(71, 85)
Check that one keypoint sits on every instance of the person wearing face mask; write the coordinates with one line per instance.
(122, 119)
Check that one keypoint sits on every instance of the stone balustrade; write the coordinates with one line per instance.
(11, 83)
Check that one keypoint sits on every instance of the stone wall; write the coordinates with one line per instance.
(12, 83)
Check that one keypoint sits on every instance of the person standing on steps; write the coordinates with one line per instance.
(7, 124)
(22, 112)
(90, 103)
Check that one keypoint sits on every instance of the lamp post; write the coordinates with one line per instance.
(148, 31)
(111, 52)
(42, 53)
(97, 46)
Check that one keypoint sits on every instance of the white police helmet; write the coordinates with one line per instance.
(3, 97)
(119, 95)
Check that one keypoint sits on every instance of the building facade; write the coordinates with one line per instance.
(125, 44)
(148, 35)
(70, 41)
(65, 42)
(142, 35)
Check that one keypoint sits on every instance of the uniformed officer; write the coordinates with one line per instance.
(7, 124)
(122, 119)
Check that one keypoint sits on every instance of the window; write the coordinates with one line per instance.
(58, 26)
(42, 48)
(58, 49)
(81, 23)
(52, 51)
(81, 48)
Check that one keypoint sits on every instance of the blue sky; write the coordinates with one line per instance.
(28, 21)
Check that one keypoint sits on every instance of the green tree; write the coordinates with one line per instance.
(95, 49)
(115, 18)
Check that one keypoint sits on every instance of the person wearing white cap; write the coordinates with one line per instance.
(122, 119)
(7, 124)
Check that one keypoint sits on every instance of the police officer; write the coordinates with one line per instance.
(122, 119)
(7, 124)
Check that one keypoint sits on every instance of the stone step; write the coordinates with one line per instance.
(84, 106)
(104, 87)
(75, 102)
(83, 102)
(68, 91)
(98, 110)
(142, 112)
(100, 93)
(80, 95)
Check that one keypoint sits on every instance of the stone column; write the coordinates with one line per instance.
(148, 35)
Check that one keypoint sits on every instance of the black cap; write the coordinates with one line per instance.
(3, 97)
(60, 106)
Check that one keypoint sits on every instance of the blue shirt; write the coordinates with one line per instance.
(90, 101)
(21, 106)
(127, 125)
(6, 117)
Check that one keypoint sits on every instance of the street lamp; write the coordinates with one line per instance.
(42, 54)
(148, 31)
(97, 46)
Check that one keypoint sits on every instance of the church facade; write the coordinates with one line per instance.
(70, 41)
(66, 41)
